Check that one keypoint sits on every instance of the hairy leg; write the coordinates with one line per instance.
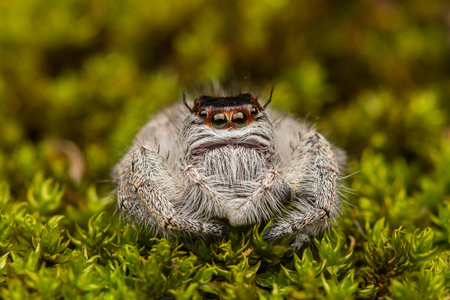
(266, 201)
(262, 204)
(313, 177)
(216, 201)
(147, 190)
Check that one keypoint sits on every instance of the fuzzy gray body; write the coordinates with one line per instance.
(181, 176)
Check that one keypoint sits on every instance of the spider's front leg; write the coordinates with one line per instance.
(267, 200)
(313, 178)
(263, 203)
(147, 191)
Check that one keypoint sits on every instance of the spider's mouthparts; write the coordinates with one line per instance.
(253, 142)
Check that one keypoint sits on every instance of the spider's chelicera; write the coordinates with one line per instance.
(230, 161)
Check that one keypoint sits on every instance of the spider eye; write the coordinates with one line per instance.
(254, 111)
(219, 121)
(203, 114)
(239, 119)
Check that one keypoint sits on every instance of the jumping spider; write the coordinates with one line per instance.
(232, 159)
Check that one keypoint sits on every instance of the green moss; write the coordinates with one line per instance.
(79, 78)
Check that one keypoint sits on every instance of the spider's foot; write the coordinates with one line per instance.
(301, 241)
(274, 232)
(218, 228)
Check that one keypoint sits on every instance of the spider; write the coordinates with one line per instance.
(230, 161)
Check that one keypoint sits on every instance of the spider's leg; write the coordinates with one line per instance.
(147, 191)
(266, 201)
(313, 178)
(216, 201)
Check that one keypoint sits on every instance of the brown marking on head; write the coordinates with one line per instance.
(227, 112)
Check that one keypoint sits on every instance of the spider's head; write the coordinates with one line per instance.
(228, 112)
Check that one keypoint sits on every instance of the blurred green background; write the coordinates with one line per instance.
(374, 73)
(79, 78)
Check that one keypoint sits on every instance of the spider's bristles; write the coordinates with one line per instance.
(182, 177)
(198, 139)
(270, 98)
(185, 102)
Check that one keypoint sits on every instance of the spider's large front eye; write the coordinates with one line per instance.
(239, 119)
(219, 121)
